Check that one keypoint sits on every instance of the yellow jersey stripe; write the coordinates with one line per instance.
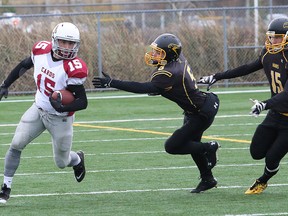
(162, 72)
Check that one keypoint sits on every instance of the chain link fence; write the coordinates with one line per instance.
(213, 40)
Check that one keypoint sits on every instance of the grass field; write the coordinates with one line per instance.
(128, 172)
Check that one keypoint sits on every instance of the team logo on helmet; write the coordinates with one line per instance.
(174, 47)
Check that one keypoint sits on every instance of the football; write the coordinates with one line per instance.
(67, 97)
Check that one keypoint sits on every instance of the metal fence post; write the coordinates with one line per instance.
(143, 21)
(225, 45)
(99, 45)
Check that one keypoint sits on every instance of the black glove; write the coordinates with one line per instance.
(3, 91)
(56, 103)
(102, 82)
(210, 80)
(257, 108)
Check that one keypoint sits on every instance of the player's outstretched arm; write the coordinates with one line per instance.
(18, 71)
(210, 80)
(3, 91)
(129, 86)
(102, 82)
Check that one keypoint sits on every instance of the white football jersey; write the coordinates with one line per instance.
(52, 75)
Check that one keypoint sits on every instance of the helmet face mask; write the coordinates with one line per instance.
(65, 33)
(277, 36)
(164, 49)
(155, 56)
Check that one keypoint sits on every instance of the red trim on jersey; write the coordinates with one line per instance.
(75, 68)
(71, 113)
(42, 47)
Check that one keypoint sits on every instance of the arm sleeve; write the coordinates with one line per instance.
(18, 71)
(241, 70)
(80, 101)
(135, 87)
(278, 102)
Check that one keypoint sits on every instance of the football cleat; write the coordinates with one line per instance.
(211, 154)
(4, 194)
(205, 185)
(79, 170)
(257, 187)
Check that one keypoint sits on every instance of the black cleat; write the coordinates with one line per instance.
(79, 170)
(4, 194)
(211, 154)
(205, 185)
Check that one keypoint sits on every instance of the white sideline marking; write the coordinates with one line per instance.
(260, 214)
(144, 169)
(130, 191)
(113, 140)
(95, 141)
(123, 153)
(141, 120)
(242, 91)
(141, 95)
(126, 153)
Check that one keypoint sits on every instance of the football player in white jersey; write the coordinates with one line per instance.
(56, 67)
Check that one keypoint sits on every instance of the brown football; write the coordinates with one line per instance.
(67, 97)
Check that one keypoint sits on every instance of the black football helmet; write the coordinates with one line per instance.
(165, 48)
(278, 28)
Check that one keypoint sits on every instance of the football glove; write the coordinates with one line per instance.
(102, 82)
(56, 103)
(3, 91)
(257, 108)
(210, 80)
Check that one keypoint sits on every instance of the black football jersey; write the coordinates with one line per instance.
(275, 68)
(178, 84)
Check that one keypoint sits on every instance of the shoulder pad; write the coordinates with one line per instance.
(75, 68)
(42, 47)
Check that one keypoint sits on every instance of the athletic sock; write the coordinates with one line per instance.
(268, 174)
(8, 181)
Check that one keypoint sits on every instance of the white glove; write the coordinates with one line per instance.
(257, 108)
(210, 80)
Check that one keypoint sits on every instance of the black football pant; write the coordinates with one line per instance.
(186, 140)
(270, 140)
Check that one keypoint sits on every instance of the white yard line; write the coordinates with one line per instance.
(260, 214)
(146, 169)
(135, 191)
(147, 119)
(140, 95)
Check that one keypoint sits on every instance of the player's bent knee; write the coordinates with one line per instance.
(169, 148)
(60, 164)
(257, 156)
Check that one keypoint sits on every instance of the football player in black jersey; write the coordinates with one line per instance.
(270, 140)
(174, 80)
